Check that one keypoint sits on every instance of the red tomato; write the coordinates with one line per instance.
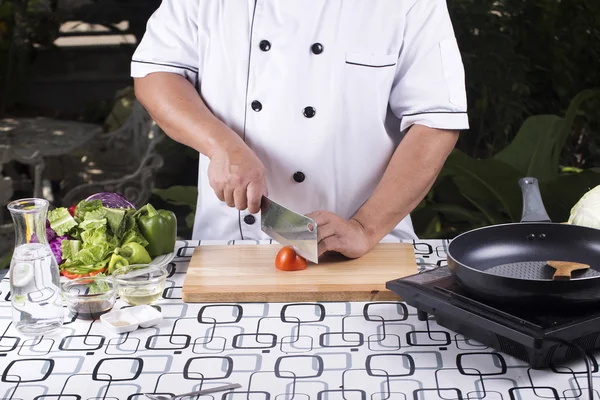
(72, 210)
(69, 275)
(75, 276)
(288, 260)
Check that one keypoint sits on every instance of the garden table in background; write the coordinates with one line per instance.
(300, 351)
(39, 138)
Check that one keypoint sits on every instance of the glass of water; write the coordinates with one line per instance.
(36, 296)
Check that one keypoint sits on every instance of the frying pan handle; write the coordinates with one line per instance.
(533, 206)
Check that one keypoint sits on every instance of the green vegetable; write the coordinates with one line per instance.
(116, 262)
(94, 254)
(70, 248)
(93, 251)
(106, 236)
(76, 268)
(134, 253)
(134, 236)
(131, 232)
(61, 221)
(99, 235)
(98, 286)
(159, 227)
(115, 219)
(87, 206)
(92, 223)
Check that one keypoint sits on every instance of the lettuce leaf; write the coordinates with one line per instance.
(128, 231)
(98, 286)
(94, 255)
(70, 248)
(96, 214)
(115, 218)
(97, 236)
(90, 223)
(61, 221)
(84, 207)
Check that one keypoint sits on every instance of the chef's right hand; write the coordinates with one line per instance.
(238, 177)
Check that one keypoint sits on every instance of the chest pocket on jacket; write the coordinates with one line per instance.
(371, 60)
(368, 79)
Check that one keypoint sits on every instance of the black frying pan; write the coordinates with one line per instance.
(508, 263)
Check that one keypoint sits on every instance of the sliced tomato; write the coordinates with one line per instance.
(69, 275)
(288, 260)
(72, 210)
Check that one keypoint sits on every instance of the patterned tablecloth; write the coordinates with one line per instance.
(322, 351)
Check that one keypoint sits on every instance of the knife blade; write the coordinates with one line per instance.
(290, 229)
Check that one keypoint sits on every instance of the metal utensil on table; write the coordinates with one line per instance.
(196, 393)
(290, 229)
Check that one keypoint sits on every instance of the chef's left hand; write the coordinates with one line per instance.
(337, 234)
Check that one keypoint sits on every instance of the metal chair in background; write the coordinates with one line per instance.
(124, 161)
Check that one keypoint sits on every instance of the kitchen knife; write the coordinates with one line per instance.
(290, 229)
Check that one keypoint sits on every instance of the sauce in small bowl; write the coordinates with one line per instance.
(90, 297)
(140, 284)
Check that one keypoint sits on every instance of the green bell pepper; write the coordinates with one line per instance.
(135, 253)
(159, 227)
(116, 262)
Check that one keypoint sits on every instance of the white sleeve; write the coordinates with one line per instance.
(429, 87)
(170, 42)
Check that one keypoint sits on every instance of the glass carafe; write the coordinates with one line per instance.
(34, 277)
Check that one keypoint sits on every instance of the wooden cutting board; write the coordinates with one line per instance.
(247, 273)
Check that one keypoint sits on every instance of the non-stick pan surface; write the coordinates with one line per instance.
(509, 262)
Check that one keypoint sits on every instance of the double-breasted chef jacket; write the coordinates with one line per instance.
(321, 90)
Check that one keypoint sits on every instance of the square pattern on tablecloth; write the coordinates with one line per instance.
(300, 351)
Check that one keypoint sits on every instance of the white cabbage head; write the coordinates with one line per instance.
(587, 210)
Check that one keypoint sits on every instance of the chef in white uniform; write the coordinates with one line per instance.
(344, 110)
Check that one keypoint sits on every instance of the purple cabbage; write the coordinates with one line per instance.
(111, 200)
(50, 234)
(56, 247)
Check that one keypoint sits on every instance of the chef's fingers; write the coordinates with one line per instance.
(325, 230)
(314, 215)
(321, 217)
(239, 197)
(219, 194)
(228, 195)
(332, 243)
(218, 189)
(255, 191)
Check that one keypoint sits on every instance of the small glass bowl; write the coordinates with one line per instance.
(91, 296)
(140, 284)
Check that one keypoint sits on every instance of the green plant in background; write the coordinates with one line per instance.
(121, 109)
(5, 260)
(471, 192)
(525, 58)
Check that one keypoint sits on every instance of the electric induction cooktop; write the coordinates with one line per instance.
(541, 338)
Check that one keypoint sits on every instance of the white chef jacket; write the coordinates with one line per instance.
(321, 90)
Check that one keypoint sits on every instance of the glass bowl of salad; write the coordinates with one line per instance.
(90, 297)
(140, 284)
